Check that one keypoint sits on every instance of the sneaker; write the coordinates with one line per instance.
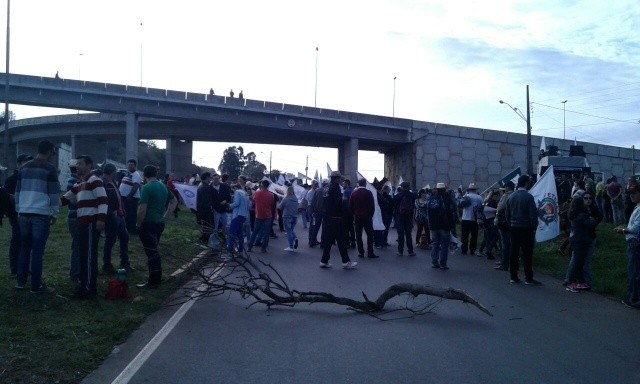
(19, 286)
(572, 288)
(583, 286)
(42, 289)
(444, 267)
(412, 253)
(435, 265)
(325, 265)
(295, 244)
(289, 249)
(349, 265)
(532, 282)
(500, 268)
(514, 281)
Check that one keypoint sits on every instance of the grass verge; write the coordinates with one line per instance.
(51, 338)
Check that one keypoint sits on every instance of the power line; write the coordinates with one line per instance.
(590, 115)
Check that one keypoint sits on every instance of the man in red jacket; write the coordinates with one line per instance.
(263, 201)
(362, 207)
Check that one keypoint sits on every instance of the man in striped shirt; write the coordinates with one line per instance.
(91, 199)
(37, 203)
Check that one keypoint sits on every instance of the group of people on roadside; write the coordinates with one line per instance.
(97, 202)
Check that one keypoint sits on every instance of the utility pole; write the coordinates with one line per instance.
(5, 144)
(306, 169)
(529, 154)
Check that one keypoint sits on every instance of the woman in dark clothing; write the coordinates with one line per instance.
(582, 238)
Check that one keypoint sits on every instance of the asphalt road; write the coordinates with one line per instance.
(537, 334)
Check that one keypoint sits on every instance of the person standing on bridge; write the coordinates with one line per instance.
(231, 94)
(130, 191)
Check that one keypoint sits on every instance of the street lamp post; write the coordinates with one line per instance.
(527, 120)
(564, 121)
(315, 97)
(140, 54)
(394, 97)
(5, 144)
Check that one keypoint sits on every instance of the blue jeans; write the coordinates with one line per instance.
(440, 239)
(14, 248)
(236, 234)
(34, 232)
(150, 238)
(305, 219)
(220, 222)
(116, 228)
(575, 269)
(314, 228)
(633, 271)
(261, 233)
(289, 225)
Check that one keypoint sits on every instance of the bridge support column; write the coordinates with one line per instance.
(132, 136)
(179, 154)
(348, 159)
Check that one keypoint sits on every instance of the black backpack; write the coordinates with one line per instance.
(406, 204)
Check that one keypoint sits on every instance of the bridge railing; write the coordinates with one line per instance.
(194, 97)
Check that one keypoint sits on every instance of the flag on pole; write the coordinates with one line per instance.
(328, 170)
(511, 176)
(399, 181)
(378, 225)
(302, 177)
(188, 193)
(543, 145)
(546, 197)
(317, 178)
(281, 180)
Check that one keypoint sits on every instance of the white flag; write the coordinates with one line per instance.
(328, 170)
(188, 193)
(543, 145)
(302, 177)
(546, 197)
(378, 225)
(281, 180)
(317, 178)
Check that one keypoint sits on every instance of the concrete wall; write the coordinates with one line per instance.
(461, 155)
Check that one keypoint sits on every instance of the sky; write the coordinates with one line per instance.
(452, 61)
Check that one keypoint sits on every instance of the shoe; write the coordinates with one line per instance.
(295, 244)
(515, 281)
(435, 265)
(412, 253)
(499, 268)
(399, 253)
(349, 265)
(373, 256)
(582, 286)
(289, 249)
(361, 255)
(572, 288)
(19, 286)
(499, 262)
(325, 265)
(444, 267)
(532, 282)
(147, 285)
(42, 289)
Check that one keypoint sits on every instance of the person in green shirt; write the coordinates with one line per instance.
(156, 204)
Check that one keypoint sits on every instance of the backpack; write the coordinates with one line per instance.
(117, 289)
(406, 204)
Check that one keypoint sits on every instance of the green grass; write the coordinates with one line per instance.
(51, 338)
(609, 268)
(55, 339)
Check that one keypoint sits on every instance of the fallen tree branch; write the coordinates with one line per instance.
(253, 280)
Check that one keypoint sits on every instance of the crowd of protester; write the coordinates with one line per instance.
(242, 214)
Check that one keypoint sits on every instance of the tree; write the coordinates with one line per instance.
(232, 162)
(253, 169)
(12, 116)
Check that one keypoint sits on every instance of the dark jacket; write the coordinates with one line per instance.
(332, 201)
(204, 200)
(220, 195)
(441, 211)
(115, 206)
(521, 211)
(583, 228)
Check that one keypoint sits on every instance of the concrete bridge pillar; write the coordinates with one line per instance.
(132, 136)
(348, 159)
(401, 162)
(179, 154)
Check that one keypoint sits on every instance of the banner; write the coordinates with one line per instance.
(188, 194)
(377, 214)
(299, 191)
(511, 176)
(546, 198)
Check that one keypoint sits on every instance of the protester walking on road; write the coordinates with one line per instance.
(289, 209)
(333, 222)
(362, 208)
(404, 205)
(441, 216)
